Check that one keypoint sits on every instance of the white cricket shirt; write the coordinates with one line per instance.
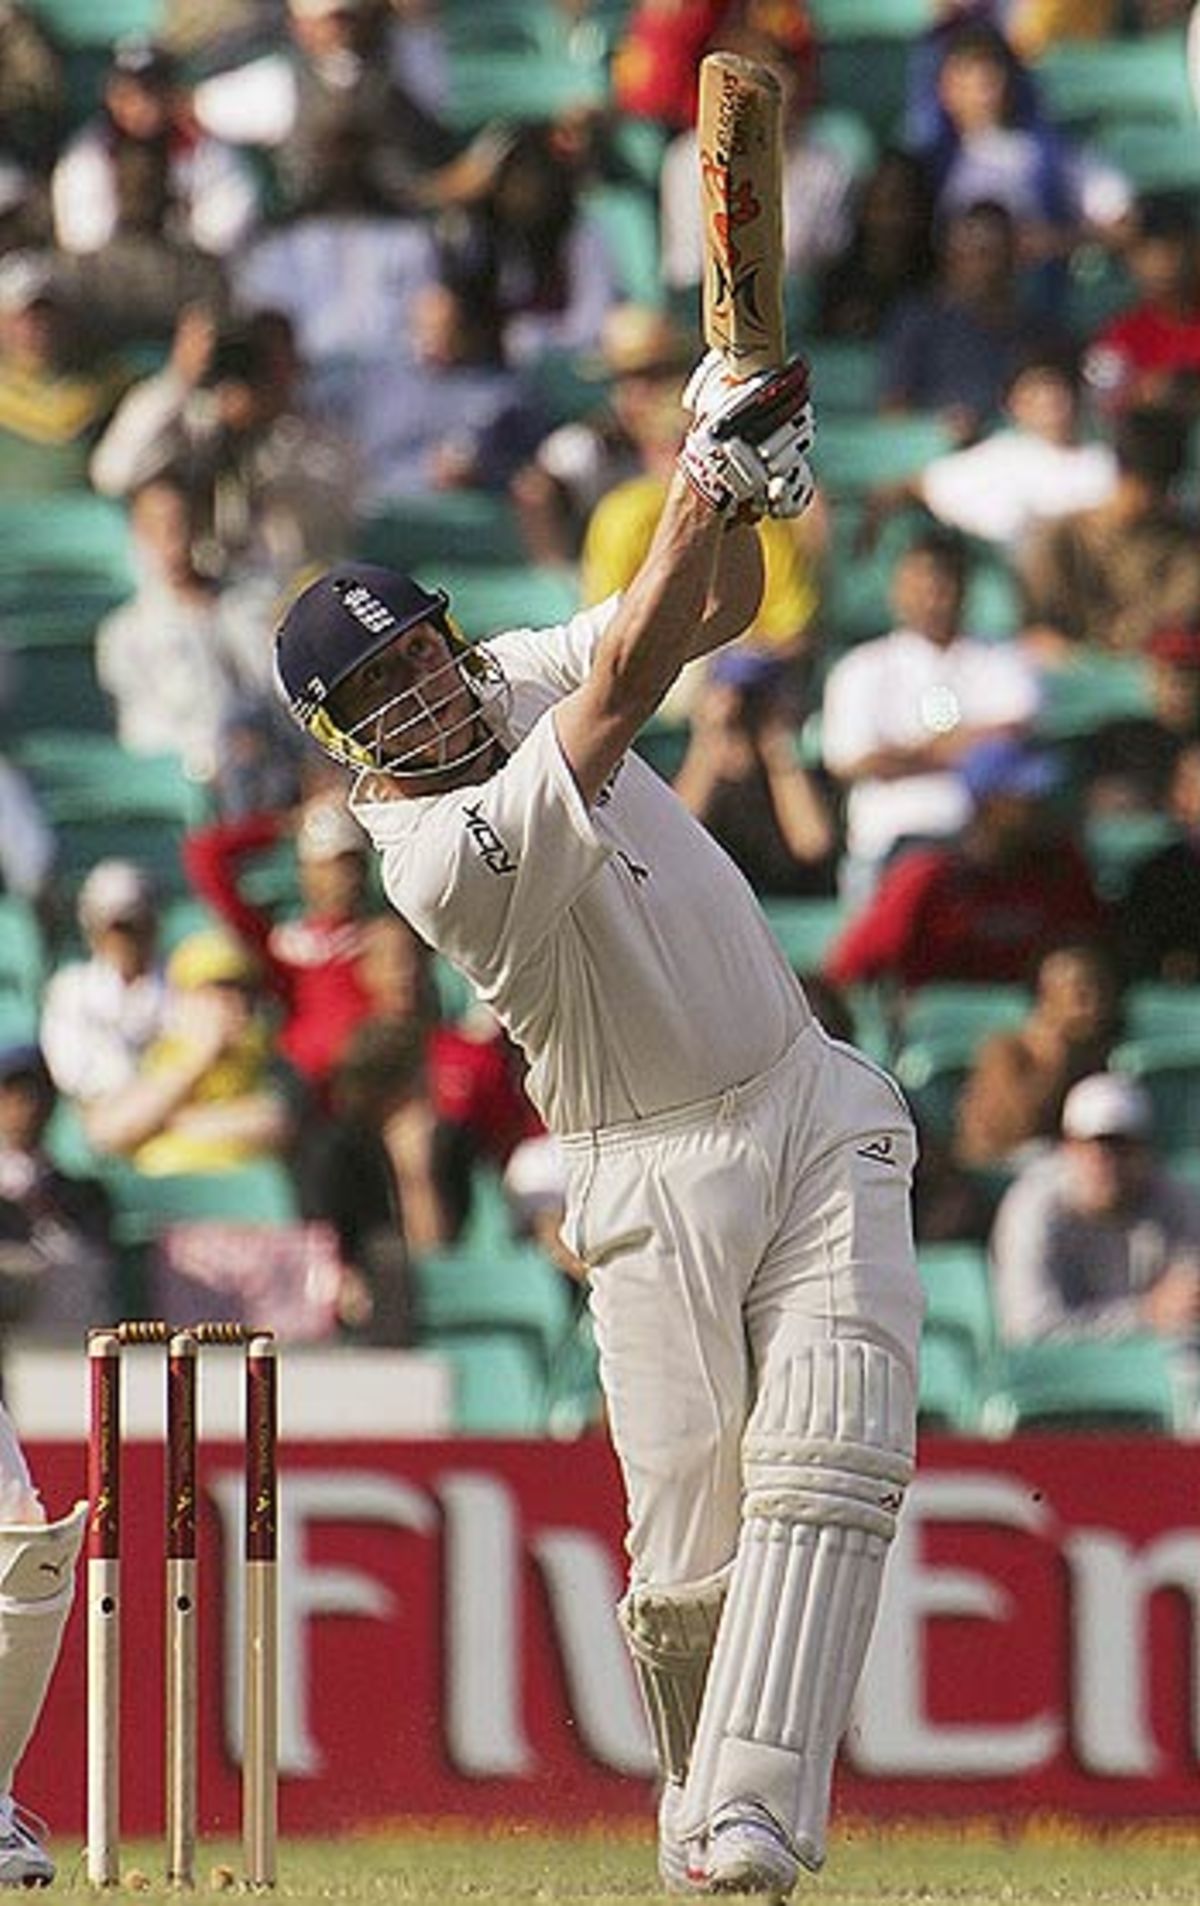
(619, 945)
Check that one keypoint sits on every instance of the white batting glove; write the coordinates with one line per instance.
(750, 451)
(772, 478)
(709, 385)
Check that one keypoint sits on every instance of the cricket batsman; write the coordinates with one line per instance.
(738, 1183)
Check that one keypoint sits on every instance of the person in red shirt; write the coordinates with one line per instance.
(310, 963)
(985, 906)
(1150, 353)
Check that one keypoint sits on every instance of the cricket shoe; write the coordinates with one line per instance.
(681, 1864)
(24, 1861)
(747, 1852)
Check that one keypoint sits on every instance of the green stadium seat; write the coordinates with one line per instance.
(1152, 1007)
(1168, 1065)
(22, 956)
(257, 1193)
(866, 71)
(849, 134)
(664, 744)
(805, 929)
(1117, 844)
(1157, 158)
(957, 1010)
(514, 1290)
(1089, 83)
(1105, 1383)
(837, 20)
(574, 1401)
(498, 1389)
(947, 1396)
(628, 217)
(97, 23)
(958, 1295)
(932, 1072)
(1088, 691)
(454, 526)
(486, 597)
(845, 376)
(854, 454)
(50, 680)
(79, 774)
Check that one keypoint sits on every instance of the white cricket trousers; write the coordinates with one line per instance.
(722, 1239)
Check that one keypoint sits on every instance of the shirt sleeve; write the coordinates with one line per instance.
(492, 869)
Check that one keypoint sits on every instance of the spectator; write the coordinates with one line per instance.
(370, 1170)
(475, 1073)
(54, 398)
(206, 1095)
(184, 652)
(1158, 921)
(1107, 577)
(817, 181)
(452, 416)
(57, 1266)
(1034, 26)
(1127, 763)
(344, 135)
(1150, 353)
(27, 844)
(1097, 1239)
(991, 143)
(901, 711)
(983, 905)
(146, 203)
(533, 252)
(657, 59)
(890, 254)
(953, 350)
(643, 356)
(310, 964)
(32, 114)
(743, 776)
(275, 489)
(1035, 467)
(1013, 1096)
(100, 1014)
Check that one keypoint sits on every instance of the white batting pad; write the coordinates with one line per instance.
(827, 1455)
(37, 1580)
(670, 1634)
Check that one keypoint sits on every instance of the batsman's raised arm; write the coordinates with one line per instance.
(701, 583)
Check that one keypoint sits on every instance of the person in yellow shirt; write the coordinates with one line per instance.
(618, 537)
(207, 1096)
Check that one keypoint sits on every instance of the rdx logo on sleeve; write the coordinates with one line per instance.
(488, 844)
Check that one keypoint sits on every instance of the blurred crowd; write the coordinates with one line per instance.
(283, 280)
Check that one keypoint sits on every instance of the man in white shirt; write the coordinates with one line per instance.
(899, 712)
(1037, 467)
(737, 1184)
(99, 1015)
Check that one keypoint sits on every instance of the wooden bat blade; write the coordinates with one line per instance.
(740, 137)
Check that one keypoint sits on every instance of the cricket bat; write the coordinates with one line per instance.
(740, 135)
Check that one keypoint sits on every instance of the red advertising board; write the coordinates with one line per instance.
(449, 1646)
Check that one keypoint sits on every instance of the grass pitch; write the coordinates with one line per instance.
(975, 1867)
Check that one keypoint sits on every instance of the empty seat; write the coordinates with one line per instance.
(1086, 1383)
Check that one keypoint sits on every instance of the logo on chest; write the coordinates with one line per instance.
(487, 843)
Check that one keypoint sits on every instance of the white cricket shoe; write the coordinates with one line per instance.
(681, 1866)
(748, 1852)
(24, 1861)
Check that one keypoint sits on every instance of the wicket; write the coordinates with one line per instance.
(260, 1637)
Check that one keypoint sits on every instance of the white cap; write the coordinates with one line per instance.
(316, 9)
(114, 890)
(535, 1179)
(1107, 1105)
(25, 277)
(327, 829)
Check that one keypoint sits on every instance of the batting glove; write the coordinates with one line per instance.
(750, 454)
(714, 388)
